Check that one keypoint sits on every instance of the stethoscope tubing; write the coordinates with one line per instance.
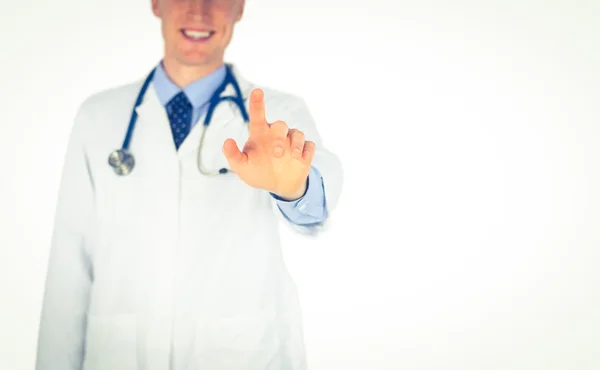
(122, 160)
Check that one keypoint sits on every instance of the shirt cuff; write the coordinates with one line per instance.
(309, 208)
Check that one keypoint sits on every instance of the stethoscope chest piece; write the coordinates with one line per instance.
(122, 162)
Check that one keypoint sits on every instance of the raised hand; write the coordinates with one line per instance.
(274, 158)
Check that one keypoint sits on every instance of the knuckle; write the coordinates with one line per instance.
(298, 134)
(279, 142)
(279, 125)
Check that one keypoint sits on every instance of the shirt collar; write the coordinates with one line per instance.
(198, 92)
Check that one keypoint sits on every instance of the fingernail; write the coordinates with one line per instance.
(278, 151)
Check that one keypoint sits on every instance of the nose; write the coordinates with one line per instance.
(200, 5)
(199, 9)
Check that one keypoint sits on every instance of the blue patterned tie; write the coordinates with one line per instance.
(179, 110)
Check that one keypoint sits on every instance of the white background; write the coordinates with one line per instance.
(468, 232)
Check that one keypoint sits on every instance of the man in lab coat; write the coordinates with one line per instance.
(166, 268)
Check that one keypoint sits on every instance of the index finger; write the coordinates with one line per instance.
(257, 110)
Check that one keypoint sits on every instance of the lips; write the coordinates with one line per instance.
(196, 35)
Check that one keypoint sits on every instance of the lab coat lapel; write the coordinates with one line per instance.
(152, 136)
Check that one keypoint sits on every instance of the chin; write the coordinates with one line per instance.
(195, 61)
(196, 58)
(200, 57)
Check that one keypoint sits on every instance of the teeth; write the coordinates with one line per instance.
(196, 34)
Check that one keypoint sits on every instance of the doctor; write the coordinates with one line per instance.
(161, 260)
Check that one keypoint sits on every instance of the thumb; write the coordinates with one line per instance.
(233, 154)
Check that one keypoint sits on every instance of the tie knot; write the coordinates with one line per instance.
(179, 101)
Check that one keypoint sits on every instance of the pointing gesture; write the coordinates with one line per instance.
(275, 157)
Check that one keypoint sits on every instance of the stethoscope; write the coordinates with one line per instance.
(122, 160)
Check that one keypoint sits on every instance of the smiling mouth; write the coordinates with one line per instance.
(196, 35)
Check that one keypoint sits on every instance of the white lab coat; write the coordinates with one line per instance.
(166, 269)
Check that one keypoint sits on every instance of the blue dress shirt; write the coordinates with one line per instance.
(308, 210)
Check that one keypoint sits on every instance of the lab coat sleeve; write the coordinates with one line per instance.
(62, 326)
(326, 172)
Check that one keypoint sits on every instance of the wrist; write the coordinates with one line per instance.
(294, 195)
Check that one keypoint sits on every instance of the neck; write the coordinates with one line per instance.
(183, 75)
